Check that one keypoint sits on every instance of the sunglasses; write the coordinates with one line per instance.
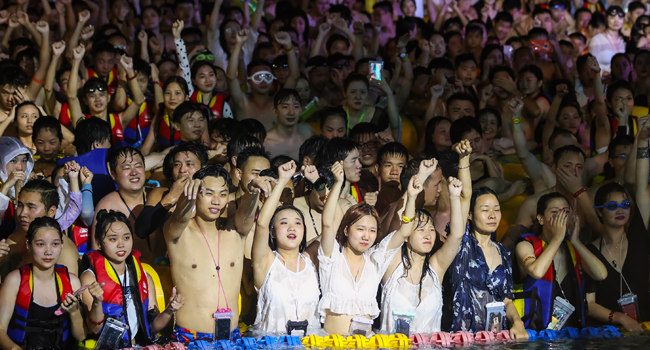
(613, 206)
(616, 12)
(276, 66)
(339, 66)
(370, 145)
(621, 156)
(203, 56)
(262, 76)
(90, 90)
(231, 30)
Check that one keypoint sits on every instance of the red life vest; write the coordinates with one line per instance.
(19, 320)
(65, 118)
(165, 133)
(111, 80)
(216, 103)
(116, 127)
(79, 235)
(138, 127)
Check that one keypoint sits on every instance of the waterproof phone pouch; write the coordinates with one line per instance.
(629, 304)
(361, 326)
(562, 310)
(495, 312)
(222, 324)
(112, 335)
(403, 320)
(297, 328)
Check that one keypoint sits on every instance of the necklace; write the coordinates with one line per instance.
(620, 251)
(144, 201)
(216, 262)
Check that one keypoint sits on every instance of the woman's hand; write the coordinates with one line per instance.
(78, 53)
(286, 171)
(177, 28)
(4, 248)
(463, 148)
(337, 171)
(86, 176)
(176, 301)
(70, 304)
(311, 173)
(96, 291)
(15, 177)
(455, 187)
(629, 323)
(415, 187)
(518, 332)
(558, 224)
(73, 170)
(262, 185)
(58, 48)
(561, 90)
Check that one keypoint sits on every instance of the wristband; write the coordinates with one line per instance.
(37, 81)
(611, 317)
(579, 192)
(131, 78)
(90, 320)
(527, 258)
(463, 167)
(407, 220)
(516, 120)
(642, 152)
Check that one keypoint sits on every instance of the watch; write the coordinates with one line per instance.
(404, 56)
(407, 220)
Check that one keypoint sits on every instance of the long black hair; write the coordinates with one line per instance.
(423, 217)
(107, 218)
(182, 83)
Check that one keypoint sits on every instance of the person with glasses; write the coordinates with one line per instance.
(259, 104)
(96, 97)
(289, 132)
(605, 45)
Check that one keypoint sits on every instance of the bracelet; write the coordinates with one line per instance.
(87, 190)
(291, 47)
(463, 167)
(407, 220)
(516, 120)
(524, 262)
(93, 323)
(131, 78)
(323, 198)
(579, 192)
(37, 81)
(611, 317)
(642, 152)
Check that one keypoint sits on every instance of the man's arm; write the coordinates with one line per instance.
(84, 16)
(73, 101)
(50, 100)
(138, 97)
(323, 30)
(284, 39)
(175, 226)
(257, 16)
(531, 164)
(236, 95)
(37, 81)
(245, 215)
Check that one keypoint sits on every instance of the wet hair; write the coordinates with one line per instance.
(200, 151)
(604, 192)
(352, 77)
(363, 129)
(338, 148)
(542, 204)
(465, 57)
(535, 70)
(188, 107)
(15, 77)
(392, 149)
(280, 160)
(559, 133)
(258, 62)
(94, 83)
(311, 148)
(105, 219)
(498, 69)
(331, 112)
(47, 123)
(253, 127)
(615, 86)
(28, 103)
(429, 146)
(91, 130)
(503, 16)
(620, 140)
(410, 169)
(557, 155)
(462, 126)
(488, 110)
(115, 153)
(272, 242)
(248, 152)
(228, 128)
(354, 214)
(448, 163)
(42, 222)
(284, 95)
(49, 194)
(103, 47)
(214, 170)
(141, 66)
(238, 143)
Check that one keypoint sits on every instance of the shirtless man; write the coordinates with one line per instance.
(126, 167)
(259, 104)
(37, 198)
(289, 133)
(391, 159)
(208, 276)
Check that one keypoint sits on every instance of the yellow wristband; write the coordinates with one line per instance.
(516, 120)
(407, 220)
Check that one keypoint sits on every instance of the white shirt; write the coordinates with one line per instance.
(603, 47)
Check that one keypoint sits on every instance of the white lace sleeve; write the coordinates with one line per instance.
(184, 63)
(382, 257)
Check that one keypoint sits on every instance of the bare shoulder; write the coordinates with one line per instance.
(156, 194)
(74, 280)
(12, 279)
(108, 202)
(300, 203)
(306, 130)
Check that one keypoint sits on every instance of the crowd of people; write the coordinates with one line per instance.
(353, 158)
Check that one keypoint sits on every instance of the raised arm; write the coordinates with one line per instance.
(257, 16)
(642, 154)
(138, 97)
(551, 119)
(184, 63)
(37, 81)
(50, 100)
(8, 295)
(464, 150)
(236, 95)
(530, 106)
(393, 111)
(175, 226)
(589, 262)
(213, 25)
(408, 218)
(84, 16)
(405, 87)
(329, 231)
(534, 267)
(23, 18)
(436, 93)
(284, 39)
(323, 30)
(458, 218)
(531, 164)
(245, 214)
(357, 50)
(342, 26)
(73, 101)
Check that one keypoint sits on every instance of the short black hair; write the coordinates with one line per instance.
(473, 28)
(486, 111)
(384, 5)
(49, 123)
(392, 148)
(258, 62)
(89, 131)
(102, 47)
(620, 140)
(188, 107)
(125, 151)
(540, 10)
(461, 126)
(228, 128)
(253, 127)
(557, 155)
(352, 77)
(252, 151)
(200, 151)
(499, 69)
(559, 133)
(465, 57)
(141, 66)
(362, 129)
(504, 16)
(285, 95)
(49, 194)
(448, 163)
(578, 36)
(277, 161)
(311, 148)
(447, 36)
(537, 33)
(338, 148)
(441, 63)
(214, 170)
(579, 11)
(509, 5)
(192, 31)
(410, 169)
(615, 86)
(15, 77)
(334, 38)
(337, 111)
(532, 68)
(239, 142)
(635, 5)
(597, 20)
(461, 96)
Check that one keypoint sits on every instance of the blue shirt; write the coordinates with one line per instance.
(95, 161)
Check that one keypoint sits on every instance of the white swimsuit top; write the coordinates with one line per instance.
(399, 294)
(287, 296)
(341, 294)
